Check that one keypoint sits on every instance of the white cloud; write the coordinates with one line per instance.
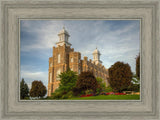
(46, 34)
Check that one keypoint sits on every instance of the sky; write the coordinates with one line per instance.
(117, 40)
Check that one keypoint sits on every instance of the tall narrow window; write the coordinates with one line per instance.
(50, 77)
(59, 58)
(71, 59)
(50, 64)
(61, 38)
(58, 72)
(49, 91)
(79, 71)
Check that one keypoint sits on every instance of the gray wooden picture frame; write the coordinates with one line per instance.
(147, 11)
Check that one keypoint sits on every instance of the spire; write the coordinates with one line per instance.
(63, 37)
(96, 56)
(63, 27)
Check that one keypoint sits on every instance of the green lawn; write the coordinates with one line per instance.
(108, 97)
(99, 97)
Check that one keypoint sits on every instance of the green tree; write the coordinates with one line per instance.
(138, 66)
(87, 81)
(101, 85)
(120, 76)
(68, 80)
(135, 79)
(24, 90)
(38, 89)
(108, 89)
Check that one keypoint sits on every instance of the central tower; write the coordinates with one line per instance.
(96, 56)
(59, 62)
(63, 38)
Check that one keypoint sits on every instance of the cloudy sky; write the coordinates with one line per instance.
(117, 40)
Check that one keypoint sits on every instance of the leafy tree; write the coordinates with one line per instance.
(135, 84)
(87, 81)
(120, 76)
(138, 66)
(135, 79)
(134, 87)
(101, 85)
(38, 89)
(68, 80)
(108, 89)
(24, 90)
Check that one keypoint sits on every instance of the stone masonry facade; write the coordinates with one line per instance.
(65, 57)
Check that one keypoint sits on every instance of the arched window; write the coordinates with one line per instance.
(57, 75)
(59, 58)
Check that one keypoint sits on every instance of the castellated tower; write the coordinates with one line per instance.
(65, 57)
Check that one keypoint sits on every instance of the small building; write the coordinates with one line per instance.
(65, 57)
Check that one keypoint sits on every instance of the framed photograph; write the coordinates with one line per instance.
(91, 60)
(80, 59)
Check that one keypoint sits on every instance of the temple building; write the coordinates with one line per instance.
(65, 57)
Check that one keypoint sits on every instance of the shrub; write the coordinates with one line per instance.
(108, 89)
(76, 91)
(88, 92)
(98, 91)
(134, 87)
(65, 95)
(57, 95)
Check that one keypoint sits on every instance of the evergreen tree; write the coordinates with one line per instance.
(24, 90)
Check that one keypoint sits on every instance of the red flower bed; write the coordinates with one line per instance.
(120, 94)
(86, 95)
(112, 93)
